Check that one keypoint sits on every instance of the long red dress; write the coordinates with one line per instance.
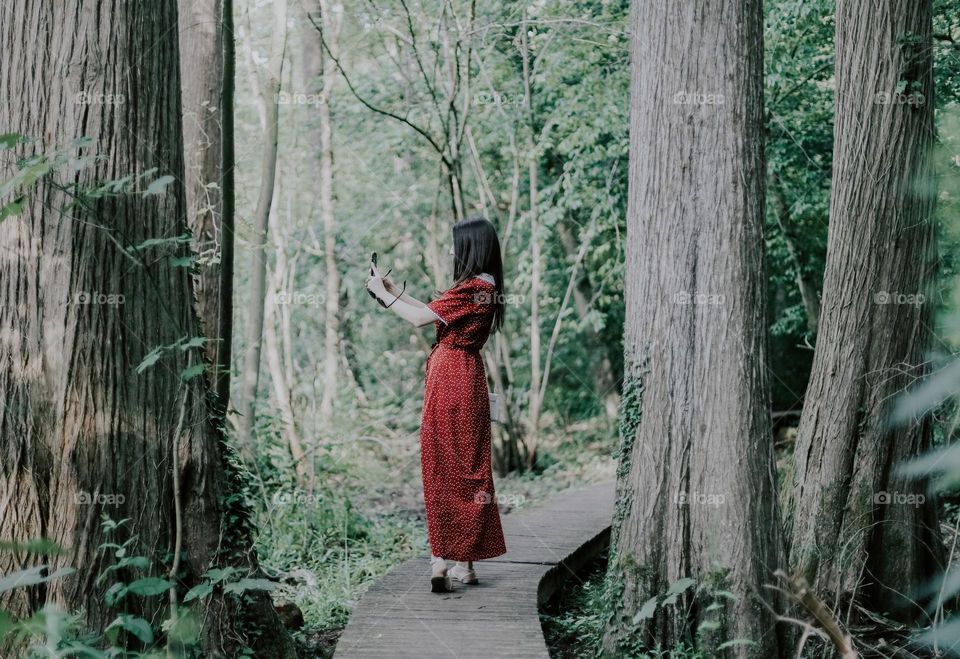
(463, 519)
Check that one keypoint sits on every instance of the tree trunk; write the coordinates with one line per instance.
(228, 218)
(533, 430)
(321, 75)
(258, 261)
(696, 483)
(201, 44)
(280, 376)
(857, 530)
(82, 302)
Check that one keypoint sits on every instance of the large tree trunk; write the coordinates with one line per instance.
(258, 261)
(82, 433)
(855, 531)
(228, 204)
(201, 44)
(696, 487)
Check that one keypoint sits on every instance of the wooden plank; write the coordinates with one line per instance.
(546, 544)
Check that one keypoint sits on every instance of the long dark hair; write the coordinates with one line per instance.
(476, 249)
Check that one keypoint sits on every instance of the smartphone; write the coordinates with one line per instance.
(373, 261)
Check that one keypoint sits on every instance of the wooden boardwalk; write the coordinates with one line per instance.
(498, 617)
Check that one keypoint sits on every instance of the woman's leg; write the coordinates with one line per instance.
(439, 580)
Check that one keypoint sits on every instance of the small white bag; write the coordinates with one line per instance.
(496, 409)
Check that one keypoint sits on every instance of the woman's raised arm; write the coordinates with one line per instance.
(408, 308)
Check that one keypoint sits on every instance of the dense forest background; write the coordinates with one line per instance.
(372, 127)
(558, 97)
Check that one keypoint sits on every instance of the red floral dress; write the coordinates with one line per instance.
(463, 519)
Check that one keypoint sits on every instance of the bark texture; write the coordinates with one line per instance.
(696, 485)
(201, 47)
(82, 302)
(855, 529)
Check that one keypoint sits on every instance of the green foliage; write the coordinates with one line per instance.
(327, 548)
(575, 623)
(629, 416)
(182, 344)
(53, 633)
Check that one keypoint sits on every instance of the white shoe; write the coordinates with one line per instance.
(463, 574)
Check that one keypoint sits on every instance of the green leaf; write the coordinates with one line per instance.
(195, 342)
(179, 261)
(680, 585)
(115, 593)
(30, 171)
(136, 562)
(249, 584)
(10, 140)
(152, 358)
(159, 186)
(6, 624)
(37, 546)
(185, 630)
(136, 626)
(191, 372)
(199, 591)
(149, 586)
(219, 574)
(31, 577)
(139, 562)
(12, 208)
(646, 611)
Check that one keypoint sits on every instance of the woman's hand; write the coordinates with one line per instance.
(388, 285)
(376, 286)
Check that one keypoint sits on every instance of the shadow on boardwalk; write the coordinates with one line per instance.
(546, 544)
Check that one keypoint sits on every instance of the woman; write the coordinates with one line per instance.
(463, 520)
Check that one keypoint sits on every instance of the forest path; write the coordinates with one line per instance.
(546, 545)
